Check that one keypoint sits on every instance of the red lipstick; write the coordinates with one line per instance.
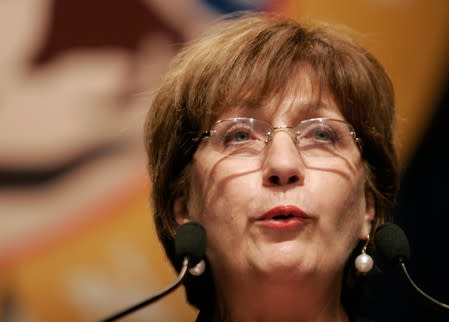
(282, 217)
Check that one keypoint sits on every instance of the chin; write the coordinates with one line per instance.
(284, 259)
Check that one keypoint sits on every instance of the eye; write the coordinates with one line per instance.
(323, 135)
(238, 134)
(320, 133)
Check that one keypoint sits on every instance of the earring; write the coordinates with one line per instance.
(198, 269)
(364, 262)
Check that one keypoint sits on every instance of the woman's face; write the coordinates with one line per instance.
(238, 199)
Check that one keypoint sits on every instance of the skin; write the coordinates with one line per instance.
(267, 274)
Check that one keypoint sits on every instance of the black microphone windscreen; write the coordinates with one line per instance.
(190, 241)
(392, 243)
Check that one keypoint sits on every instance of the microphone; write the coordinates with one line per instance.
(392, 244)
(190, 244)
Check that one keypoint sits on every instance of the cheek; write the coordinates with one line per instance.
(338, 203)
(221, 196)
(340, 200)
(220, 189)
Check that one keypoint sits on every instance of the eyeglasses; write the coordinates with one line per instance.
(316, 138)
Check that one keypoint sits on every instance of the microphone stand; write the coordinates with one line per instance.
(154, 298)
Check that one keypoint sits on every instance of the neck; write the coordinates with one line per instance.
(265, 299)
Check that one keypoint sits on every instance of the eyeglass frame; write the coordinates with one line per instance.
(269, 136)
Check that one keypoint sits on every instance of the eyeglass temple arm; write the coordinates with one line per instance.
(202, 136)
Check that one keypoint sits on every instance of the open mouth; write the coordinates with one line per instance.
(283, 217)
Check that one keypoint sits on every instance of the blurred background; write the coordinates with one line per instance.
(77, 241)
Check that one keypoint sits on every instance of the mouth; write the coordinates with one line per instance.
(283, 217)
(283, 213)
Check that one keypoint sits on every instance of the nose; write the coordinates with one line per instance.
(282, 164)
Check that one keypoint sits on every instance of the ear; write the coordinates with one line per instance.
(180, 210)
(370, 212)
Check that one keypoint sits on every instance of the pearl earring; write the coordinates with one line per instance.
(364, 262)
(198, 269)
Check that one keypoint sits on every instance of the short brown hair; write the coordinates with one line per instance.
(244, 60)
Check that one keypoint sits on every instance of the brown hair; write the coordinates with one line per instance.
(240, 62)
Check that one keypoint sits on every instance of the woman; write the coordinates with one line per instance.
(277, 138)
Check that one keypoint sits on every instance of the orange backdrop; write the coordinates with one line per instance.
(82, 247)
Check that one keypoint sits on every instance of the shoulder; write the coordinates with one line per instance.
(204, 317)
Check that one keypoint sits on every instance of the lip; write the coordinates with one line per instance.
(282, 217)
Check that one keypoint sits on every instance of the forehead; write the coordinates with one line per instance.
(305, 97)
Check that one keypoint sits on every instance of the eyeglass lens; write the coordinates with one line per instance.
(315, 138)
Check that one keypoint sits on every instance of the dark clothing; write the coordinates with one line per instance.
(205, 317)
